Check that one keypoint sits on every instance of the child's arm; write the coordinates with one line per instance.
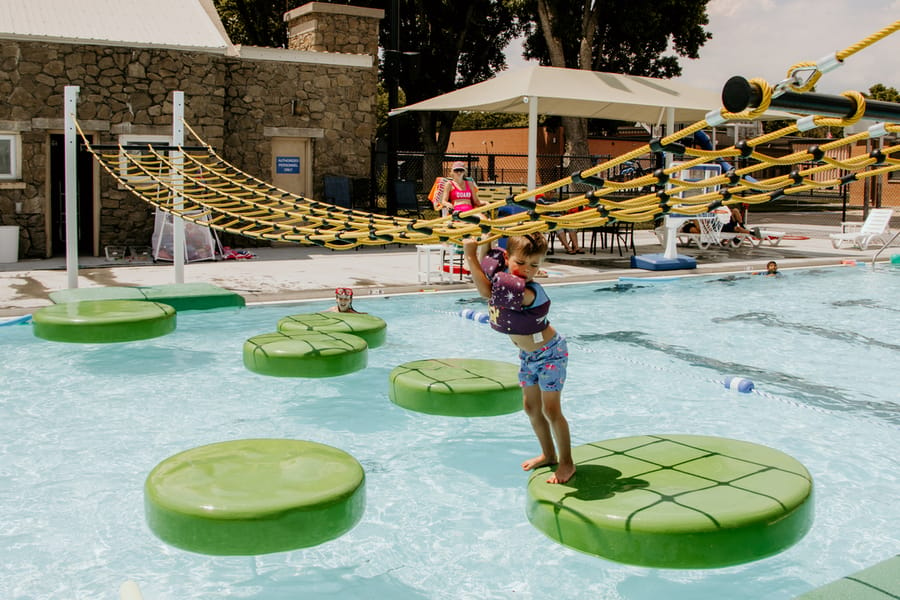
(482, 283)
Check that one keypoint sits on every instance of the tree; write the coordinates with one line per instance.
(255, 22)
(885, 94)
(616, 36)
(444, 45)
(458, 43)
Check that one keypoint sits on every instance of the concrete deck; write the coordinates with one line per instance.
(297, 273)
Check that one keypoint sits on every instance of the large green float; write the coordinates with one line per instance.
(103, 321)
(457, 387)
(675, 501)
(255, 496)
(369, 327)
(308, 354)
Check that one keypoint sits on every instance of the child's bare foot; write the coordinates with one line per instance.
(563, 473)
(537, 461)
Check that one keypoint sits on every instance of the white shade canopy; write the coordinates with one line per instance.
(578, 93)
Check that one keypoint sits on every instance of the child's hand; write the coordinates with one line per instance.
(470, 247)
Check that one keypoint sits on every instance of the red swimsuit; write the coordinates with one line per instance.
(461, 199)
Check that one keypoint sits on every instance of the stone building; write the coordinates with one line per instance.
(288, 116)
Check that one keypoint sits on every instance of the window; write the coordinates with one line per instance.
(10, 156)
(128, 170)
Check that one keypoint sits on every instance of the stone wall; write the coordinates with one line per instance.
(229, 101)
(338, 100)
(323, 27)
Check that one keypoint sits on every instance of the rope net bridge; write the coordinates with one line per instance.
(198, 185)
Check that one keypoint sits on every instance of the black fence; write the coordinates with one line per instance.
(417, 171)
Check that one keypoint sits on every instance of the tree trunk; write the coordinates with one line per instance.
(575, 128)
(435, 138)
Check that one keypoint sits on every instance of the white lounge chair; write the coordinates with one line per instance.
(873, 229)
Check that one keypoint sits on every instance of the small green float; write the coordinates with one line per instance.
(369, 327)
(311, 354)
(675, 501)
(255, 496)
(103, 321)
(457, 387)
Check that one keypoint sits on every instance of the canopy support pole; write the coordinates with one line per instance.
(70, 106)
(669, 259)
(178, 183)
(532, 140)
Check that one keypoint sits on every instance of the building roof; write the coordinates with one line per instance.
(177, 24)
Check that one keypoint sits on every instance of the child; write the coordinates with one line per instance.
(771, 268)
(519, 307)
(343, 298)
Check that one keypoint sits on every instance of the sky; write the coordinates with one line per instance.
(763, 38)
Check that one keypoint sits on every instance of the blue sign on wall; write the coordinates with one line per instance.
(287, 164)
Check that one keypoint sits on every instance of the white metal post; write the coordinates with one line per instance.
(70, 107)
(178, 245)
(671, 251)
(532, 140)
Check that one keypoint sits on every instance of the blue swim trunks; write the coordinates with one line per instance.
(545, 366)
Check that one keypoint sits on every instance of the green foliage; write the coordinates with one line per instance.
(255, 22)
(629, 36)
(481, 120)
(885, 94)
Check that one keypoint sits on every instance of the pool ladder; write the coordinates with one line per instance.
(880, 250)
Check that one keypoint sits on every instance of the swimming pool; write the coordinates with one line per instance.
(81, 426)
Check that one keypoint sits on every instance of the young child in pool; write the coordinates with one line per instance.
(518, 307)
(343, 301)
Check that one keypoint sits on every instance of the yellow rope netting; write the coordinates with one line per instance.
(203, 188)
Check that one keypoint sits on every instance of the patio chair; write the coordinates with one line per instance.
(710, 231)
(873, 229)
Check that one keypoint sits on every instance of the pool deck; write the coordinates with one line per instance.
(294, 273)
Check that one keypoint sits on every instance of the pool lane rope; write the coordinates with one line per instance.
(254, 496)
(732, 383)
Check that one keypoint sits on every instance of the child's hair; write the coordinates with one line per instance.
(527, 245)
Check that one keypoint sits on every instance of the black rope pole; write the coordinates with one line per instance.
(738, 94)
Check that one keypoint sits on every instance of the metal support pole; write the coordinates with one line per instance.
(70, 109)
(177, 183)
(671, 237)
(738, 94)
(392, 72)
(532, 140)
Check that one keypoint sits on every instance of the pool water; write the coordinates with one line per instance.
(81, 426)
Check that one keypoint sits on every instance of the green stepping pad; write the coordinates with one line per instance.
(256, 496)
(180, 296)
(369, 327)
(457, 387)
(103, 321)
(675, 501)
(311, 354)
(878, 582)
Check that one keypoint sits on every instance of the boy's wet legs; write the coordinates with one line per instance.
(548, 422)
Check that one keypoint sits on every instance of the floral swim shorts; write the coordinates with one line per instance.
(545, 366)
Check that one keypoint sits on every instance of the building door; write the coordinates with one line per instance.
(292, 165)
(57, 225)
